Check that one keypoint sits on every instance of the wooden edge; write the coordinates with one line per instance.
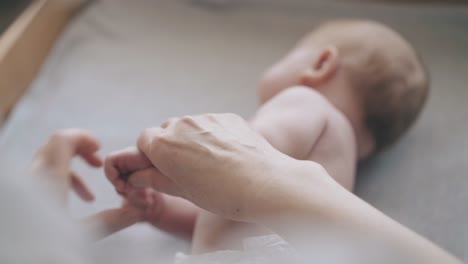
(25, 45)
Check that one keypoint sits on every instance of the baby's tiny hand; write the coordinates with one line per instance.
(120, 164)
(141, 205)
(167, 213)
(146, 202)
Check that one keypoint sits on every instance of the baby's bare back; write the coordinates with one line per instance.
(304, 125)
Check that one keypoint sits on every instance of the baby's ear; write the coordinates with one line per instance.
(322, 67)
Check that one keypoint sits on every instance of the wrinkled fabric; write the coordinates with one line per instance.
(269, 249)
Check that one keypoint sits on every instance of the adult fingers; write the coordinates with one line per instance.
(128, 160)
(80, 142)
(92, 159)
(56, 154)
(150, 142)
(81, 189)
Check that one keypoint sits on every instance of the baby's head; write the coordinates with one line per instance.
(367, 70)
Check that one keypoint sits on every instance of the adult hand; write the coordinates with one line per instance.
(222, 165)
(216, 161)
(52, 162)
(51, 166)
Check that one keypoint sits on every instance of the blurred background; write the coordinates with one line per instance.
(9, 10)
(124, 65)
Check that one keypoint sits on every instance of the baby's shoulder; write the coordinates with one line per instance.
(297, 94)
(301, 98)
(306, 101)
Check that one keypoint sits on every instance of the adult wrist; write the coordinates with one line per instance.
(297, 190)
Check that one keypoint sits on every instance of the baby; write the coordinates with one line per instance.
(346, 91)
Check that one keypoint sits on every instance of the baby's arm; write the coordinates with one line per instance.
(110, 221)
(170, 214)
(292, 121)
(51, 166)
(177, 216)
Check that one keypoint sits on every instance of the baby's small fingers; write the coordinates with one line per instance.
(155, 205)
(121, 164)
(111, 171)
(129, 159)
(81, 189)
(141, 198)
(114, 175)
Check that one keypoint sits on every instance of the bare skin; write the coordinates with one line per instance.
(232, 171)
(170, 214)
(323, 135)
(259, 185)
(301, 123)
(51, 167)
(309, 111)
(298, 121)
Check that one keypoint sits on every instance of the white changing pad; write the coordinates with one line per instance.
(126, 65)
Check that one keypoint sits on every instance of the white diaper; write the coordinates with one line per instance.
(257, 250)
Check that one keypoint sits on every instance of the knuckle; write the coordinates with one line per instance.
(211, 116)
(147, 133)
(190, 121)
(168, 122)
(157, 139)
(187, 119)
(160, 139)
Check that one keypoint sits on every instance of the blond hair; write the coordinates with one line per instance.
(393, 83)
